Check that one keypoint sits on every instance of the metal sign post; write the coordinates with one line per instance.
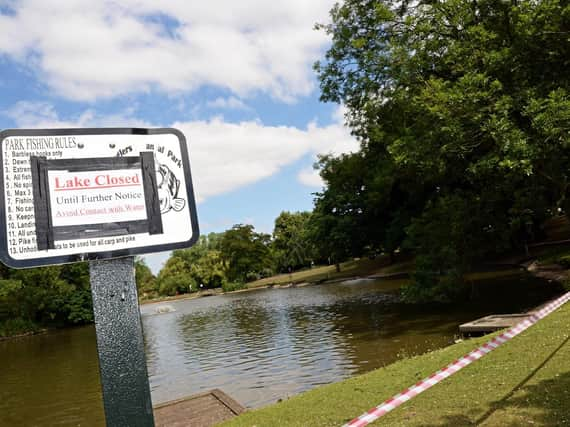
(122, 362)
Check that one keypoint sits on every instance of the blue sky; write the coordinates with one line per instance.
(235, 77)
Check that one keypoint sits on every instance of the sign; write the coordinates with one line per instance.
(77, 194)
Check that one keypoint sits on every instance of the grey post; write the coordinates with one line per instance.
(122, 362)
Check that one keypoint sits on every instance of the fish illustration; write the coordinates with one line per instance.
(168, 186)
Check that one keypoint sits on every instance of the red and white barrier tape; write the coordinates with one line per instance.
(455, 366)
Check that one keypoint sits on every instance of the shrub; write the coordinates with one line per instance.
(17, 326)
(232, 286)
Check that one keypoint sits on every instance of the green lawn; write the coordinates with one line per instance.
(524, 382)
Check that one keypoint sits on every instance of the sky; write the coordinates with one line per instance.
(235, 77)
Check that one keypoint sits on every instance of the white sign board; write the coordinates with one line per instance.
(75, 194)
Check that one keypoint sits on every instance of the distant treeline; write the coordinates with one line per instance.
(235, 257)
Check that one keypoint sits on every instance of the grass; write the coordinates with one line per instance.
(524, 382)
(490, 275)
(360, 267)
(558, 255)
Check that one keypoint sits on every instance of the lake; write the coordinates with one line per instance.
(258, 346)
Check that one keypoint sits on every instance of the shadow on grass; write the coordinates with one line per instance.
(551, 397)
(545, 403)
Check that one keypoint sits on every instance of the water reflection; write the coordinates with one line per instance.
(270, 344)
(257, 346)
(51, 380)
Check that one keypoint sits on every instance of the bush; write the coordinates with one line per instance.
(79, 307)
(232, 286)
(177, 284)
(252, 276)
(430, 286)
(17, 326)
(564, 261)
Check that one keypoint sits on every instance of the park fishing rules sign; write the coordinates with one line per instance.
(80, 194)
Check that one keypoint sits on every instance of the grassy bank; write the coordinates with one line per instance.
(355, 268)
(524, 382)
(364, 267)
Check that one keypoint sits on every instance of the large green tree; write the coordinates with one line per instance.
(188, 270)
(245, 252)
(463, 112)
(291, 246)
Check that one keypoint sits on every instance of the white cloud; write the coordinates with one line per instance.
(311, 178)
(231, 103)
(226, 156)
(223, 156)
(38, 115)
(85, 49)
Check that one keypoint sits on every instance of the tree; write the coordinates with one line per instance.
(209, 270)
(175, 278)
(291, 247)
(337, 225)
(43, 294)
(245, 252)
(458, 105)
(145, 280)
(78, 304)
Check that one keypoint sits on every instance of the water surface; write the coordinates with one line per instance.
(257, 346)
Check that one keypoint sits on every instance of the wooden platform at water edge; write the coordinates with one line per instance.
(492, 323)
(201, 410)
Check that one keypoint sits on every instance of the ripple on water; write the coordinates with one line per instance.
(258, 347)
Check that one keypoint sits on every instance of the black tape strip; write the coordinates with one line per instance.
(94, 164)
(151, 193)
(86, 231)
(42, 206)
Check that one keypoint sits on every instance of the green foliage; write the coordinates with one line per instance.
(187, 269)
(564, 261)
(58, 295)
(233, 286)
(244, 252)
(458, 106)
(209, 270)
(291, 246)
(174, 278)
(336, 227)
(145, 280)
(78, 305)
(17, 326)
(9, 294)
(566, 285)
(177, 284)
(43, 294)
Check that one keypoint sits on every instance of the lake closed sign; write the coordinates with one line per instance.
(118, 194)
(75, 194)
